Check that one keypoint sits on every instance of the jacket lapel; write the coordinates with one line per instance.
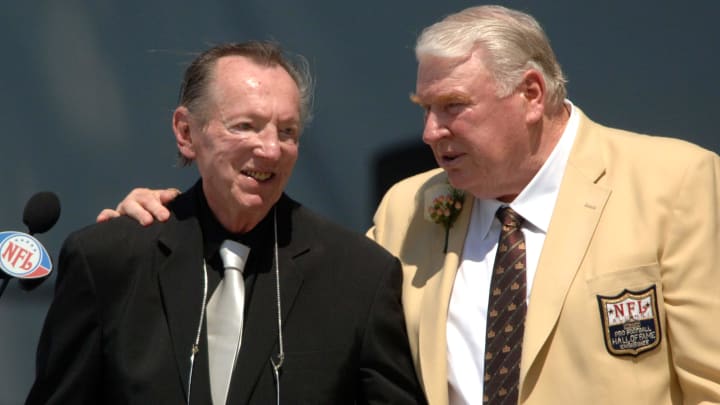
(435, 303)
(260, 339)
(180, 276)
(580, 203)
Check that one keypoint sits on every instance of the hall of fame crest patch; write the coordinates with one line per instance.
(630, 321)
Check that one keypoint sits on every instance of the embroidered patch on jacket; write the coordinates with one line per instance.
(630, 321)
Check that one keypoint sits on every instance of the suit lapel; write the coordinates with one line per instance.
(577, 211)
(435, 303)
(260, 339)
(180, 276)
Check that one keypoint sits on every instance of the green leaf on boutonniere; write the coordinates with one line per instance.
(443, 204)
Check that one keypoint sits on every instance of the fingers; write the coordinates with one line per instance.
(146, 205)
(168, 195)
(139, 211)
(106, 214)
(142, 204)
(156, 203)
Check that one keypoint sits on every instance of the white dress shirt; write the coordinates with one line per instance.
(469, 300)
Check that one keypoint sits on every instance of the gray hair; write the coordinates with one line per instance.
(513, 41)
(200, 73)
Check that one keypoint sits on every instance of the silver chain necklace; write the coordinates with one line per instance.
(276, 360)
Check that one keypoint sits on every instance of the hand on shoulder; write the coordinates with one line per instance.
(142, 204)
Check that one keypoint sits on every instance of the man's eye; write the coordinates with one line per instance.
(290, 133)
(454, 108)
(242, 127)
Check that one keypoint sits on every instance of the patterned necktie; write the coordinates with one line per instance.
(506, 313)
(225, 320)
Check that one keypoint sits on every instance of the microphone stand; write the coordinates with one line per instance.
(5, 282)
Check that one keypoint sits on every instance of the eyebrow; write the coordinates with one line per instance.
(441, 99)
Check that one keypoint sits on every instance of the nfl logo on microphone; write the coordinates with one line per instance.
(22, 256)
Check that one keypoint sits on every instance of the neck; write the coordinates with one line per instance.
(549, 131)
(236, 219)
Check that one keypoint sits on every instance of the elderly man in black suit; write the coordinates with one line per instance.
(140, 313)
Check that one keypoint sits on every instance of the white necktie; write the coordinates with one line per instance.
(225, 320)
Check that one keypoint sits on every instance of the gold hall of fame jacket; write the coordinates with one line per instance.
(626, 298)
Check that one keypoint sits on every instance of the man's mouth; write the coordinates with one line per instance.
(258, 175)
(449, 157)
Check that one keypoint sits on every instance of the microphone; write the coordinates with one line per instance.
(41, 212)
(21, 255)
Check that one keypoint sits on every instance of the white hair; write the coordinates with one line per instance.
(512, 42)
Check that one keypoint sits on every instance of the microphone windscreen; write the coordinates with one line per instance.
(41, 212)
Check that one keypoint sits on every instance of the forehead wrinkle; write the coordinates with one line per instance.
(254, 93)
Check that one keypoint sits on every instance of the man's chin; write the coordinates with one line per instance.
(257, 202)
(456, 180)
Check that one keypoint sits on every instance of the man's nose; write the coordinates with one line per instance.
(269, 144)
(434, 130)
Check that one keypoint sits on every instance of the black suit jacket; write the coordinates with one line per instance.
(127, 309)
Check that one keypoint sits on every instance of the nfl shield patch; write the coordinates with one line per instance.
(630, 321)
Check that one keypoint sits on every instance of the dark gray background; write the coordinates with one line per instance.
(87, 89)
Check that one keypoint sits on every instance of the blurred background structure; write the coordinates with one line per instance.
(88, 89)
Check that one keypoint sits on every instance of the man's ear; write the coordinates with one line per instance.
(532, 90)
(181, 124)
